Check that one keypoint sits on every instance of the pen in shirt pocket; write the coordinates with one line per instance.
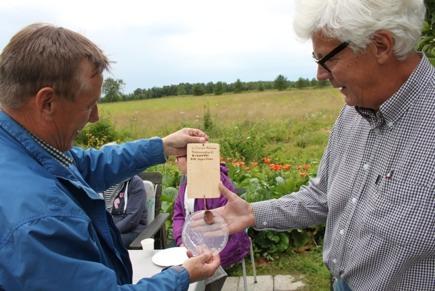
(388, 176)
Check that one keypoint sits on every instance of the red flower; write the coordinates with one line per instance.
(238, 164)
(275, 167)
(303, 174)
(286, 167)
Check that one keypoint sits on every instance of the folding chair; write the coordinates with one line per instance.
(254, 270)
(156, 220)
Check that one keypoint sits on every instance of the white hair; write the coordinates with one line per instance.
(356, 21)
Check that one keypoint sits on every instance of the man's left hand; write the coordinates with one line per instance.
(175, 143)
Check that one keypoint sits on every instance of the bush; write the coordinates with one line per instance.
(244, 142)
(269, 243)
(267, 179)
(208, 121)
(97, 134)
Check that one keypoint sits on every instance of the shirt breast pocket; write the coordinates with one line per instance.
(403, 213)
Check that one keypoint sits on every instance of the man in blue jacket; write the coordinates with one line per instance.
(55, 233)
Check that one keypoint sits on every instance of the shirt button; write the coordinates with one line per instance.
(390, 124)
(341, 231)
(334, 261)
(366, 167)
(354, 200)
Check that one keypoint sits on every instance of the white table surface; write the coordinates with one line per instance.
(144, 267)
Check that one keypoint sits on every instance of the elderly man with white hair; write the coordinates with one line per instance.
(375, 187)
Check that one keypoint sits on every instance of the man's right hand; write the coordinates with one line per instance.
(202, 266)
(237, 212)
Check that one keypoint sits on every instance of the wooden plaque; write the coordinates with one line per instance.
(203, 170)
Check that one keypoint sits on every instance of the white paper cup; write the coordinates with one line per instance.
(147, 244)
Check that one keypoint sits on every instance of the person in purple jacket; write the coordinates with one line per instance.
(238, 243)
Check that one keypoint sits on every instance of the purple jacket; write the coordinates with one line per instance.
(238, 243)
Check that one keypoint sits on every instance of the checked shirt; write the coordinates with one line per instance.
(375, 191)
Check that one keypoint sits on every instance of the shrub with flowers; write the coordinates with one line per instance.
(99, 133)
(268, 179)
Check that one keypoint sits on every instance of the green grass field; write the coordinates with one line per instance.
(162, 115)
(287, 125)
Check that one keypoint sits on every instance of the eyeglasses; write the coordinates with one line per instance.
(177, 158)
(331, 54)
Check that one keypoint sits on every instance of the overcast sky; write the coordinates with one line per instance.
(163, 42)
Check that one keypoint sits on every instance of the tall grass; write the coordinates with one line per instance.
(285, 124)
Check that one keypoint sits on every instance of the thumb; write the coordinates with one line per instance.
(227, 193)
(205, 257)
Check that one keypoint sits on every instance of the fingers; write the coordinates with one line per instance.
(210, 262)
(238, 213)
(196, 139)
(213, 263)
(175, 143)
(196, 132)
(196, 136)
(202, 266)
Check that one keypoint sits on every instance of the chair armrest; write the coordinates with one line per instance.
(149, 231)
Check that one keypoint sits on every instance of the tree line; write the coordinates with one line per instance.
(112, 88)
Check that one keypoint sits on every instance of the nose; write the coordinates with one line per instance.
(322, 73)
(94, 116)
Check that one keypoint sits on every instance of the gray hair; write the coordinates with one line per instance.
(356, 21)
(44, 55)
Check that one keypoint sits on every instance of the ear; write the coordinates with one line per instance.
(383, 43)
(45, 100)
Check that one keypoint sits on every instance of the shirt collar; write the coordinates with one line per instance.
(54, 152)
(374, 118)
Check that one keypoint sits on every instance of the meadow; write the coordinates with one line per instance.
(272, 142)
(162, 115)
(287, 125)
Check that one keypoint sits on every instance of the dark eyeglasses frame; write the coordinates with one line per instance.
(179, 157)
(331, 54)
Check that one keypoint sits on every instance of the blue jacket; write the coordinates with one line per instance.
(55, 233)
